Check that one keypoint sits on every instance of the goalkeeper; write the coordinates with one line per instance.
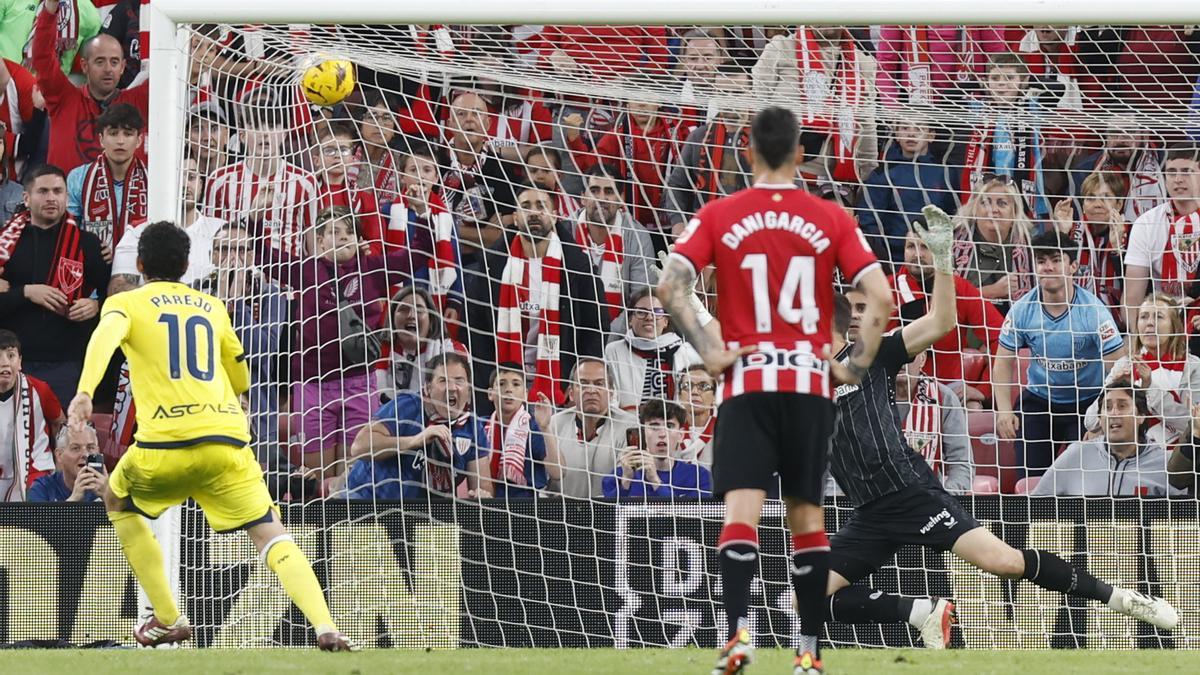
(897, 498)
(188, 368)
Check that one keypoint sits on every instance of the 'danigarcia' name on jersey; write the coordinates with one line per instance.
(776, 220)
(777, 251)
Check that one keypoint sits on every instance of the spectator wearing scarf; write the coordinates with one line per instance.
(714, 161)
(935, 425)
(819, 69)
(696, 392)
(524, 456)
(1101, 233)
(109, 194)
(1162, 367)
(648, 357)
(619, 248)
(52, 268)
(30, 417)
(422, 445)
(991, 247)
(417, 335)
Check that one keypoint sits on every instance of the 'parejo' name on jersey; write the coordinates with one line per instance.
(776, 220)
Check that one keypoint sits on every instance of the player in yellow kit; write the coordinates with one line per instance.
(188, 369)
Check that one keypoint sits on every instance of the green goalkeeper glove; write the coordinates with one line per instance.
(938, 235)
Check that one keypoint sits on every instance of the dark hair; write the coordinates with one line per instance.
(1182, 151)
(841, 313)
(163, 251)
(507, 367)
(1053, 242)
(437, 330)
(445, 360)
(694, 367)
(553, 156)
(637, 294)
(9, 340)
(1141, 403)
(661, 409)
(775, 133)
(120, 116)
(335, 128)
(416, 150)
(42, 170)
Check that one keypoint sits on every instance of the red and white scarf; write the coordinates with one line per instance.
(101, 213)
(923, 424)
(527, 286)
(1181, 255)
(695, 439)
(849, 87)
(439, 455)
(509, 443)
(67, 22)
(66, 274)
(443, 267)
(124, 416)
(606, 260)
(1020, 258)
(1099, 261)
(30, 453)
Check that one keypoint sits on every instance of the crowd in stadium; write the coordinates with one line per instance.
(446, 287)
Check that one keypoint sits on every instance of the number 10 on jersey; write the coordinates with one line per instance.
(798, 286)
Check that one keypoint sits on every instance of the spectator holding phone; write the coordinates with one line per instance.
(79, 474)
(649, 469)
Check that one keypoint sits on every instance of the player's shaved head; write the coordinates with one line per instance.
(163, 252)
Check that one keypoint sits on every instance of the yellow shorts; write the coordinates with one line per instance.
(226, 481)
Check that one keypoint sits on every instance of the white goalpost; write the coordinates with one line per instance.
(427, 572)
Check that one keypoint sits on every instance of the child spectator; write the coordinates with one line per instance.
(650, 469)
(342, 297)
(524, 454)
(423, 445)
(333, 163)
(109, 194)
(1162, 367)
(417, 335)
(30, 418)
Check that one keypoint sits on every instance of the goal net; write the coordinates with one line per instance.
(366, 251)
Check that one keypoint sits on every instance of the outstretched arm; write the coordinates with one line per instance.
(938, 236)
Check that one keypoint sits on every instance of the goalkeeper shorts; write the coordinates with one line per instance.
(226, 481)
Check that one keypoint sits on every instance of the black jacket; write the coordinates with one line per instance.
(44, 335)
(584, 322)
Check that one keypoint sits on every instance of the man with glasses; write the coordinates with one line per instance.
(1164, 243)
(697, 393)
(74, 479)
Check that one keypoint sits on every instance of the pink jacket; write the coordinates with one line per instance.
(950, 52)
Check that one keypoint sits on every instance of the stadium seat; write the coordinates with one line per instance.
(974, 365)
(985, 485)
(992, 456)
(1026, 485)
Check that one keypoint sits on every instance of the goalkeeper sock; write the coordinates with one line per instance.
(1052, 572)
(146, 560)
(295, 573)
(738, 552)
(859, 604)
(810, 577)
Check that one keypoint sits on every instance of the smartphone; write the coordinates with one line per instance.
(95, 461)
(633, 438)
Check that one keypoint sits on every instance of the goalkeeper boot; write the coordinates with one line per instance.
(935, 631)
(1152, 610)
(808, 664)
(154, 632)
(737, 654)
(333, 641)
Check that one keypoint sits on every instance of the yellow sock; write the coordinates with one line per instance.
(146, 560)
(289, 563)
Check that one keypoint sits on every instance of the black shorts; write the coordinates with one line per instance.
(761, 434)
(919, 514)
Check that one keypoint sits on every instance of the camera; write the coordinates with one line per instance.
(95, 462)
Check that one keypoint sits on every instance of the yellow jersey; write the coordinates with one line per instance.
(186, 365)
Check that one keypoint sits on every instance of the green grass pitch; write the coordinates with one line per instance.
(583, 662)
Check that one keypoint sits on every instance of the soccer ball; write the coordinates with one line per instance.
(328, 82)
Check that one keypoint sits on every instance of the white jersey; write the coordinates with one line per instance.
(201, 233)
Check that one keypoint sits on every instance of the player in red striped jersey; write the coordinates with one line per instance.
(776, 249)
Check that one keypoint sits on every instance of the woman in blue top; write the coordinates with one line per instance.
(649, 469)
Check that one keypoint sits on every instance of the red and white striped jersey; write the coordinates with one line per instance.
(232, 190)
(776, 249)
